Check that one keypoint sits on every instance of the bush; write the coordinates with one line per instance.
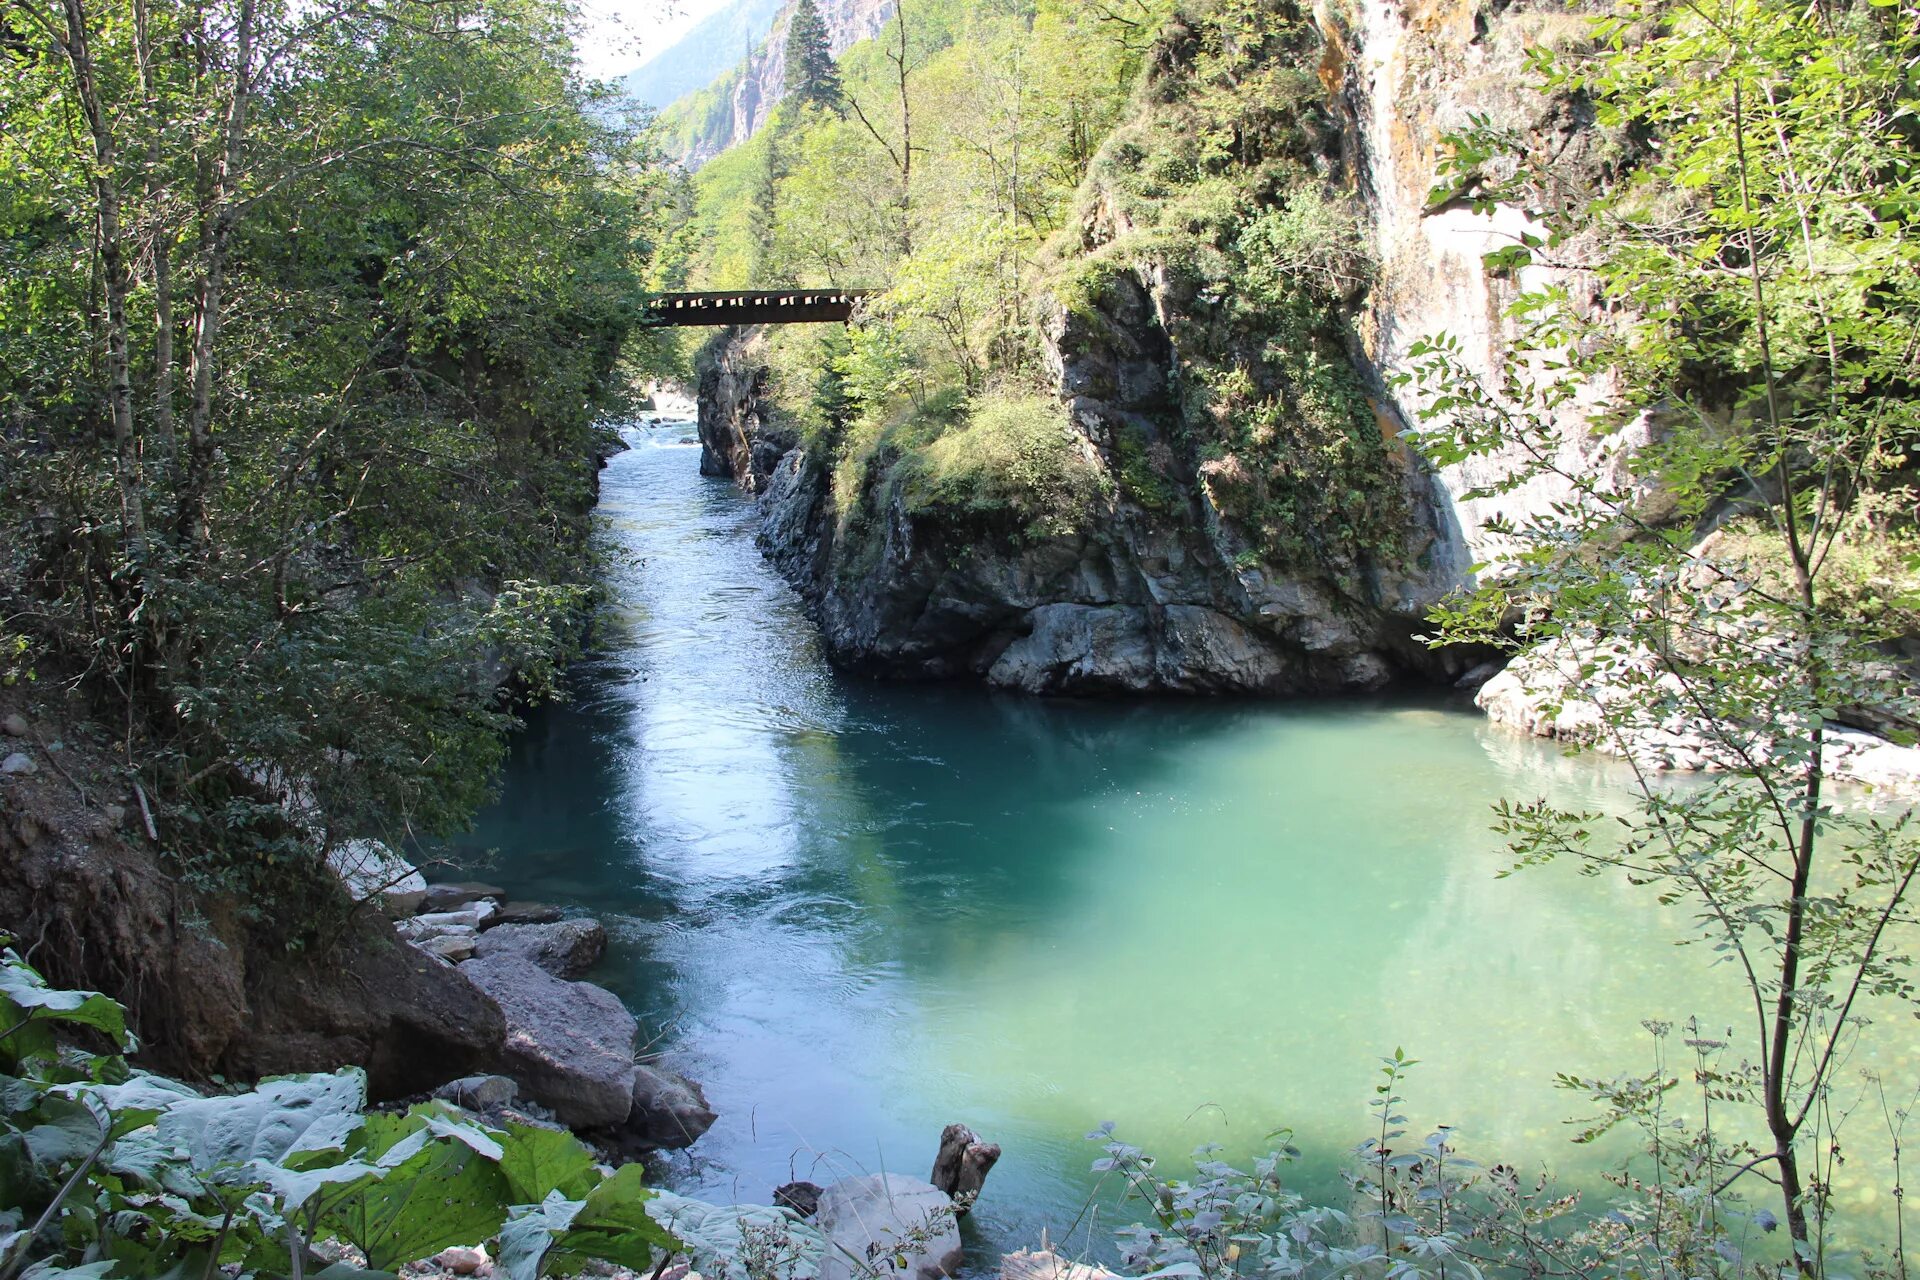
(1015, 454)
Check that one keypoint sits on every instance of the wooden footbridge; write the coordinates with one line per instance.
(750, 306)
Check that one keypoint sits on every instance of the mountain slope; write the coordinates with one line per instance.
(703, 55)
(733, 106)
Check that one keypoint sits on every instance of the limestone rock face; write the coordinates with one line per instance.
(566, 948)
(569, 1045)
(760, 88)
(877, 1218)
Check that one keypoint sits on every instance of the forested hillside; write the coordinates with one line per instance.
(307, 318)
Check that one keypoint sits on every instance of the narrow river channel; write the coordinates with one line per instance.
(859, 911)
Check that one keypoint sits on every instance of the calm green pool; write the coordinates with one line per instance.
(858, 912)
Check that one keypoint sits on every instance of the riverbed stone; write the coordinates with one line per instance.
(453, 896)
(369, 869)
(569, 1045)
(478, 1093)
(516, 912)
(19, 762)
(452, 947)
(669, 1110)
(871, 1222)
(801, 1197)
(566, 948)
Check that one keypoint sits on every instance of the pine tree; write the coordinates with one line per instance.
(810, 73)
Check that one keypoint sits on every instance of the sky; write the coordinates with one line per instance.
(619, 35)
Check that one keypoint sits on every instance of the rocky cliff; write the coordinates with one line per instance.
(1212, 563)
(1150, 593)
(746, 97)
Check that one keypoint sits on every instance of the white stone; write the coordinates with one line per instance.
(19, 762)
(871, 1223)
(368, 868)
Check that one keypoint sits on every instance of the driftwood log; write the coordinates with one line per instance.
(962, 1166)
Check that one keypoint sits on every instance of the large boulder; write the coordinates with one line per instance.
(369, 869)
(411, 1020)
(565, 949)
(669, 1110)
(568, 1044)
(873, 1224)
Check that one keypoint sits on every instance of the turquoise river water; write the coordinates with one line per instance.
(860, 911)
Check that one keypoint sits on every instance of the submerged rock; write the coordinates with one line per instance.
(569, 1045)
(874, 1223)
(566, 949)
(801, 1197)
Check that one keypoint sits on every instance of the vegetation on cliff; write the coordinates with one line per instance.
(306, 319)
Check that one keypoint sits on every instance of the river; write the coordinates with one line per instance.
(859, 911)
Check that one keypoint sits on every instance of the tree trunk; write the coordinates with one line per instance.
(962, 1165)
(116, 283)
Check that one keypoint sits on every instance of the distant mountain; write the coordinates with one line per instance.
(732, 104)
(701, 56)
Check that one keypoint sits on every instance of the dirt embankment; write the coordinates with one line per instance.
(89, 896)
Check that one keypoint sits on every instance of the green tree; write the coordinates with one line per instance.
(1758, 274)
(295, 268)
(811, 76)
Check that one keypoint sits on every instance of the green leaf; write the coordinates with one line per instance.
(280, 1119)
(446, 1194)
(539, 1162)
(29, 993)
(613, 1225)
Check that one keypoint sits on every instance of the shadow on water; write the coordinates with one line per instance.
(859, 911)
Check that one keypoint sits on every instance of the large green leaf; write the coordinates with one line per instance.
(30, 996)
(538, 1162)
(282, 1118)
(137, 1102)
(716, 1236)
(446, 1194)
(612, 1225)
(527, 1237)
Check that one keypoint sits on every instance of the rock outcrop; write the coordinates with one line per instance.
(1132, 600)
(86, 895)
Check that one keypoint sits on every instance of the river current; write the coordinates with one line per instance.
(860, 911)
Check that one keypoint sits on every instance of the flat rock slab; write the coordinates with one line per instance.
(526, 913)
(565, 949)
(449, 897)
(568, 1044)
(886, 1225)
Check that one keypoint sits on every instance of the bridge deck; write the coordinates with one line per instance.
(750, 306)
